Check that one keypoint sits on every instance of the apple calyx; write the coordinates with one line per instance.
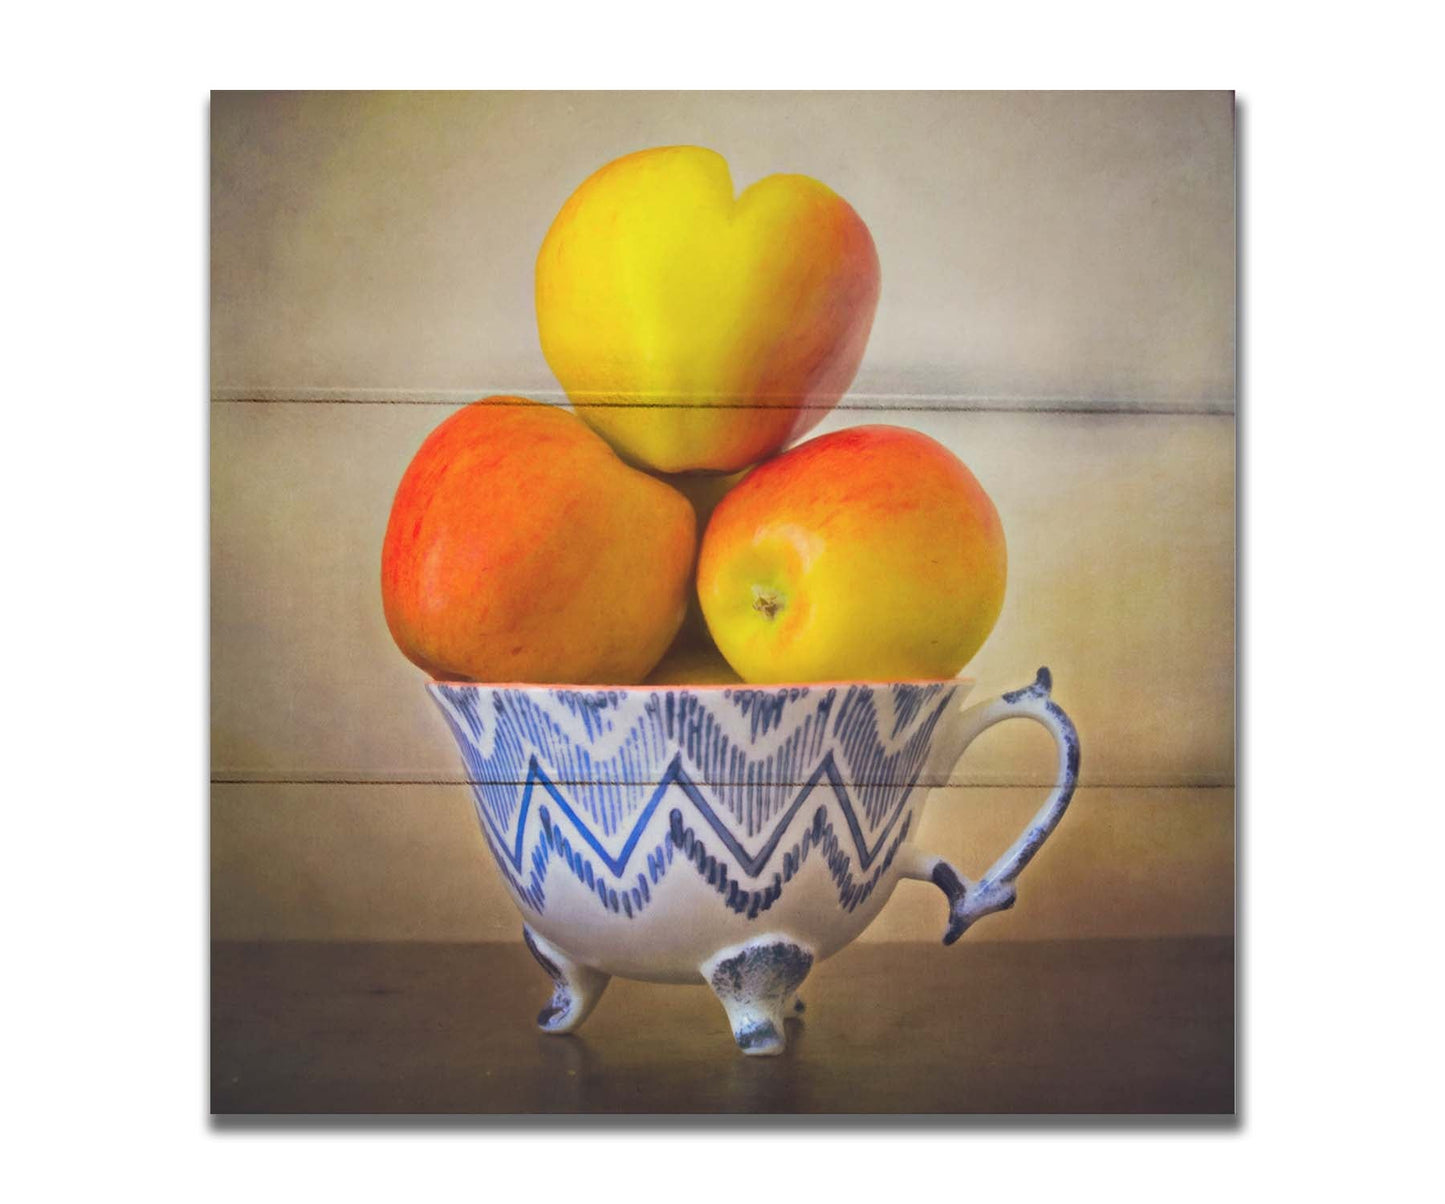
(768, 602)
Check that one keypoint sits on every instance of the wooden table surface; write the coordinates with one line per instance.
(1096, 1027)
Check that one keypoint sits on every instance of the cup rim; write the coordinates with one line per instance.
(603, 688)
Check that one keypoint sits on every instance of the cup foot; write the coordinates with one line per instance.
(576, 988)
(757, 984)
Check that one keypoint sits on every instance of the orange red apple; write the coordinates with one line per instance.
(696, 328)
(868, 554)
(520, 548)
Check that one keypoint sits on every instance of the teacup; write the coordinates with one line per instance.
(736, 835)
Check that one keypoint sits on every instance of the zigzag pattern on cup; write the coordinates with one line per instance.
(613, 746)
(620, 896)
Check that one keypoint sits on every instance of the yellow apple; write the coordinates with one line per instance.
(869, 554)
(698, 666)
(699, 329)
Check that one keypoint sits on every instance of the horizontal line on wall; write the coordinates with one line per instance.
(990, 784)
(854, 402)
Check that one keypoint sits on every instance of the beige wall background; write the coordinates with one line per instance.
(1058, 307)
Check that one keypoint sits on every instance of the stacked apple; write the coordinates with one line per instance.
(696, 335)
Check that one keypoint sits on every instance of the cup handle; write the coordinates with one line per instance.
(995, 891)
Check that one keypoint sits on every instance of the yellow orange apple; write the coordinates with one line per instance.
(696, 328)
(695, 666)
(521, 549)
(868, 554)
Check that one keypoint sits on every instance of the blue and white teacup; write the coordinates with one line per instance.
(733, 834)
